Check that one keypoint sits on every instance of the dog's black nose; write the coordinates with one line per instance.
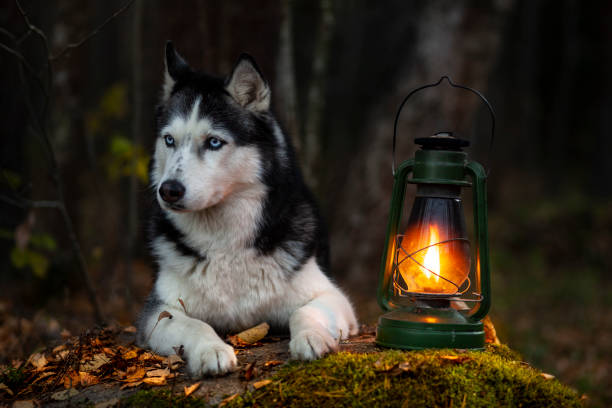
(171, 191)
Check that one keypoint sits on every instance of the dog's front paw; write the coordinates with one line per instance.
(312, 344)
(212, 359)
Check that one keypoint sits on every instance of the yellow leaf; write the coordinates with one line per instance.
(155, 380)
(261, 384)
(189, 390)
(227, 400)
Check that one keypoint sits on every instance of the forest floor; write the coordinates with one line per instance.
(103, 368)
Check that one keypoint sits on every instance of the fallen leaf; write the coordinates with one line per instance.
(6, 389)
(227, 400)
(273, 363)
(183, 304)
(155, 380)
(135, 375)
(64, 395)
(160, 372)
(146, 356)
(87, 379)
(130, 329)
(189, 390)
(173, 361)
(456, 359)
(59, 348)
(65, 334)
(71, 379)
(96, 362)
(130, 355)
(261, 384)
(490, 332)
(249, 371)
(38, 360)
(547, 376)
(254, 334)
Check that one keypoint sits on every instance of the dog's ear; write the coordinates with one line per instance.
(247, 85)
(176, 67)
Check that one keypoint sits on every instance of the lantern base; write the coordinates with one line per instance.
(422, 328)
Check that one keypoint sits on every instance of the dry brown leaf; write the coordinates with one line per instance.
(43, 376)
(547, 376)
(273, 363)
(456, 359)
(59, 348)
(64, 395)
(160, 372)
(135, 375)
(130, 355)
(155, 380)
(87, 379)
(189, 390)
(261, 384)
(249, 371)
(130, 329)
(173, 361)
(227, 400)
(183, 304)
(65, 334)
(147, 356)
(71, 379)
(254, 334)
(38, 360)
(96, 362)
(490, 332)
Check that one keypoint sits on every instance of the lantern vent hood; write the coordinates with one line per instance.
(442, 141)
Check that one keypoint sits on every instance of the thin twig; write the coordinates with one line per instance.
(25, 203)
(92, 33)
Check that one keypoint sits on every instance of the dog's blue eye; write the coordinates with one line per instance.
(169, 140)
(213, 143)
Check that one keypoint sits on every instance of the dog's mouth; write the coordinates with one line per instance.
(176, 207)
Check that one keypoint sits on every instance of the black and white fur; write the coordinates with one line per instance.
(236, 234)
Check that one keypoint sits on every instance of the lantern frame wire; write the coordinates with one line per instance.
(407, 293)
(454, 85)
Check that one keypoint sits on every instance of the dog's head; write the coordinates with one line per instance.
(210, 133)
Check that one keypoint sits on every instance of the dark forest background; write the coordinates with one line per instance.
(77, 130)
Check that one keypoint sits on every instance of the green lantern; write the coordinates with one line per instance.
(434, 282)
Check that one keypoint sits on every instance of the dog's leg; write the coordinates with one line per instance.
(317, 327)
(204, 350)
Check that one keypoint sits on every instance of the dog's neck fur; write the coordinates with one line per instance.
(231, 224)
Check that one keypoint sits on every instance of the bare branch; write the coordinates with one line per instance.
(27, 66)
(25, 203)
(92, 33)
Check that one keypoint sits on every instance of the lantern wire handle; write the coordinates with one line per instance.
(454, 85)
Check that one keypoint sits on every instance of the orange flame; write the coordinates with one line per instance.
(432, 256)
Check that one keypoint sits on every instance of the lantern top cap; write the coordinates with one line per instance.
(442, 141)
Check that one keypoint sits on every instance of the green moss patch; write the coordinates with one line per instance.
(161, 399)
(432, 378)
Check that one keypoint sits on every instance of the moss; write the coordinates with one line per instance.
(161, 399)
(426, 378)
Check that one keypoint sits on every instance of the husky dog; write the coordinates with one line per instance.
(237, 234)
